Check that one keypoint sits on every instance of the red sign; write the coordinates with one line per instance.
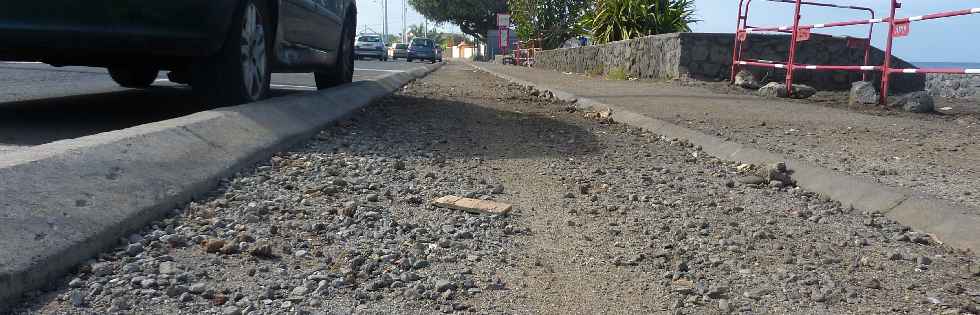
(803, 34)
(902, 29)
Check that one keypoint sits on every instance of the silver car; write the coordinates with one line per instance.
(370, 46)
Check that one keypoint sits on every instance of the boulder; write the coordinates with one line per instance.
(746, 80)
(863, 93)
(916, 102)
(775, 89)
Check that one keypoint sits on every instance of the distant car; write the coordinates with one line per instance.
(226, 49)
(399, 51)
(371, 46)
(422, 49)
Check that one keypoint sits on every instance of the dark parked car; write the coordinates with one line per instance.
(226, 49)
(399, 51)
(422, 49)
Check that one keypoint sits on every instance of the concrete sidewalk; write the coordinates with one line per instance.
(930, 157)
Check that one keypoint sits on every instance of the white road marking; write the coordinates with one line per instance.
(811, 67)
(910, 70)
(867, 67)
(378, 70)
(294, 87)
(915, 18)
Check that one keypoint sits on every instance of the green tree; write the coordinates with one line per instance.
(474, 17)
(550, 21)
(613, 20)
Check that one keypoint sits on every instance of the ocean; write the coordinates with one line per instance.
(967, 65)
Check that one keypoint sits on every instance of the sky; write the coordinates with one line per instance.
(370, 17)
(955, 39)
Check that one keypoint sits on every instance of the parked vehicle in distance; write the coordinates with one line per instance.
(226, 50)
(422, 49)
(370, 46)
(399, 51)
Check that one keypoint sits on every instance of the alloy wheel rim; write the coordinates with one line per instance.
(253, 50)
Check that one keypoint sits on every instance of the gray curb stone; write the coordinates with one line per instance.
(64, 202)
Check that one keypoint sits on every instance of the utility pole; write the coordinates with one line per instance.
(404, 22)
(385, 27)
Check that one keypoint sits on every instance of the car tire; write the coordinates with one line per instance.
(343, 71)
(137, 77)
(240, 72)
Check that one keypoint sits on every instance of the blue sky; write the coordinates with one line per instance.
(954, 39)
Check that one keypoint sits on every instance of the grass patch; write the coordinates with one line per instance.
(617, 73)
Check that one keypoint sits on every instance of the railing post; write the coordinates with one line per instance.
(886, 66)
(792, 49)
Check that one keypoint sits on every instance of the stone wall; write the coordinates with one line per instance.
(707, 56)
(954, 85)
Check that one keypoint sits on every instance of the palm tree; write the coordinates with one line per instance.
(613, 20)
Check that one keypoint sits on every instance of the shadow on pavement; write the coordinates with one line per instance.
(411, 126)
(40, 121)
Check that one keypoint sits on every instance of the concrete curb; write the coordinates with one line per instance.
(953, 224)
(64, 202)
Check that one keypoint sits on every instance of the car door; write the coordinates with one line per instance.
(312, 23)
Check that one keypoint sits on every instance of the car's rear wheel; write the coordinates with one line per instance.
(343, 71)
(137, 77)
(240, 73)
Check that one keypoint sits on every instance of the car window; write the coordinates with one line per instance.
(421, 42)
(401, 46)
(369, 39)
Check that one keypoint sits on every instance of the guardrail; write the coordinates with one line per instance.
(897, 27)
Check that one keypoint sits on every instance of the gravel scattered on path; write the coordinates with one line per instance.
(606, 219)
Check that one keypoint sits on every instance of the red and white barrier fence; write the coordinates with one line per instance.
(897, 27)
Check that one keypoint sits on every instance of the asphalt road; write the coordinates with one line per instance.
(41, 104)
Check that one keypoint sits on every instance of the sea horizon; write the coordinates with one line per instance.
(927, 64)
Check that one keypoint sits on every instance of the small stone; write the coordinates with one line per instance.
(751, 180)
(299, 291)
(262, 249)
(746, 79)
(76, 298)
(498, 189)
(724, 306)
(372, 197)
(871, 284)
(923, 260)
(76, 283)
(863, 93)
(583, 189)
(197, 288)
(231, 310)
(399, 165)
(230, 248)
(756, 294)
(569, 195)
(444, 285)
(134, 249)
(186, 297)
(168, 268)
(213, 245)
(916, 102)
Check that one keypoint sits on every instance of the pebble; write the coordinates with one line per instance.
(213, 245)
(77, 298)
(751, 180)
(134, 249)
(197, 288)
(168, 268)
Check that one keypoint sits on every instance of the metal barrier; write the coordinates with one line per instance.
(897, 27)
(524, 53)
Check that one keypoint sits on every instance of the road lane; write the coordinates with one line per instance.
(41, 104)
